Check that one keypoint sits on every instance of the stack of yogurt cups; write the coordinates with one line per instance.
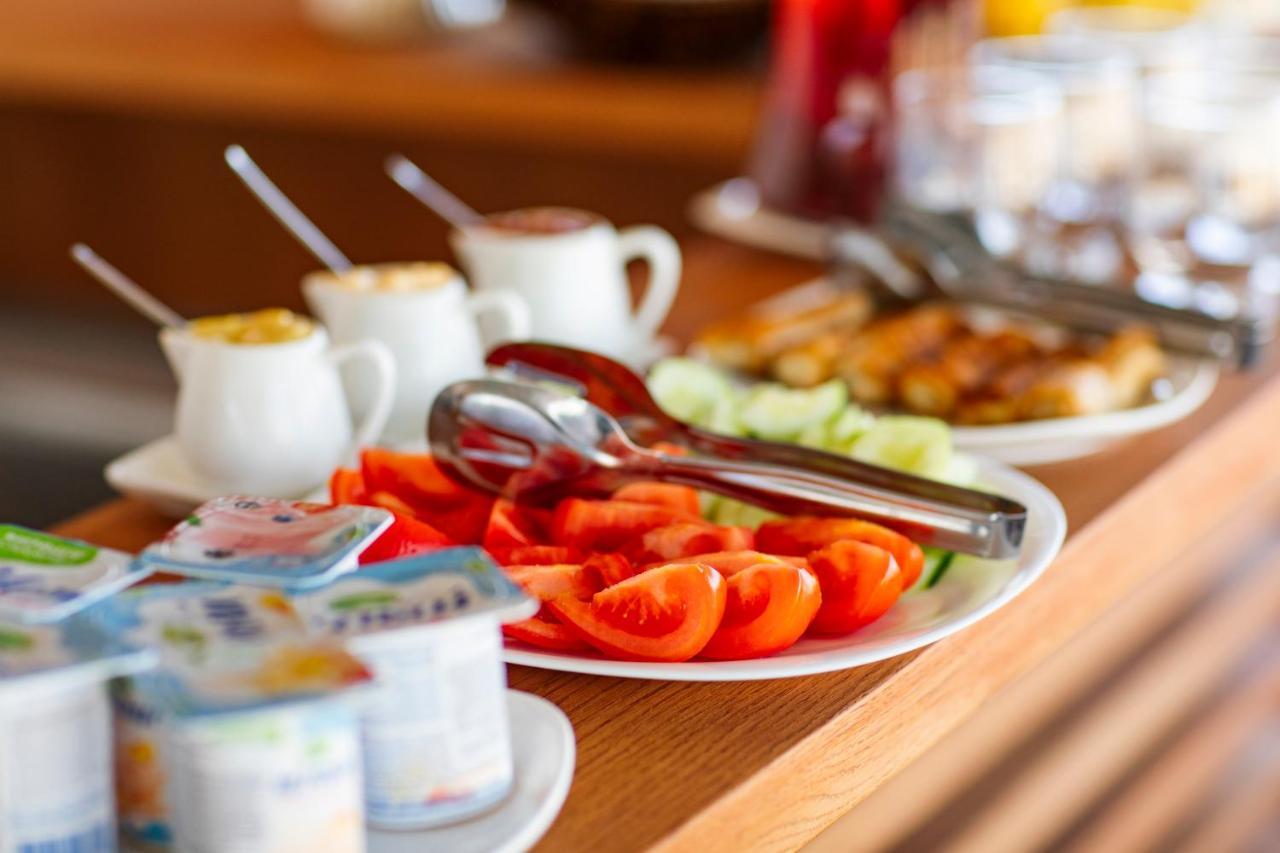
(55, 722)
(290, 700)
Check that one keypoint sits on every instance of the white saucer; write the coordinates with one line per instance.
(158, 474)
(544, 750)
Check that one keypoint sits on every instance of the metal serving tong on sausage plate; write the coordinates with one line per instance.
(944, 259)
(537, 444)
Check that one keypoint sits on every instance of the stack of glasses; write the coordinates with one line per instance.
(1124, 144)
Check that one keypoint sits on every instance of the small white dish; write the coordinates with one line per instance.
(733, 210)
(158, 474)
(544, 751)
(971, 590)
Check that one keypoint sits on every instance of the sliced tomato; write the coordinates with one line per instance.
(537, 555)
(414, 477)
(394, 503)
(730, 562)
(687, 538)
(405, 537)
(860, 582)
(802, 535)
(665, 614)
(681, 498)
(609, 569)
(545, 583)
(669, 448)
(512, 526)
(346, 486)
(545, 633)
(768, 607)
(608, 526)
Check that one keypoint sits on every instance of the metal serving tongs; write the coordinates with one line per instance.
(953, 264)
(779, 477)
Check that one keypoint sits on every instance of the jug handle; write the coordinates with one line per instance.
(384, 365)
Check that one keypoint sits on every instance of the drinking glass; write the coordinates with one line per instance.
(1157, 39)
(1207, 205)
(978, 140)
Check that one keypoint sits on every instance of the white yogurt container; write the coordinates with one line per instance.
(237, 741)
(437, 747)
(285, 779)
(55, 771)
(55, 736)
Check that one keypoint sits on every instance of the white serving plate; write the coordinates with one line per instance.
(1186, 387)
(544, 751)
(969, 591)
(733, 210)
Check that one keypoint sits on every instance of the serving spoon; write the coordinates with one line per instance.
(536, 444)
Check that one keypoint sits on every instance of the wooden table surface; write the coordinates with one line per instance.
(768, 765)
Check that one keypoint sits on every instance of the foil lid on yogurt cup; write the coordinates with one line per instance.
(268, 541)
(46, 578)
(396, 596)
(70, 653)
(225, 647)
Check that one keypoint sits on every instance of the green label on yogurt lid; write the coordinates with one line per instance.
(358, 600)
(19, 543)
(13, 640)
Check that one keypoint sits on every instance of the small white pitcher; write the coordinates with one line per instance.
(431, 331)
(270, 419)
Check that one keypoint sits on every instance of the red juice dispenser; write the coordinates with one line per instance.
(823, 135)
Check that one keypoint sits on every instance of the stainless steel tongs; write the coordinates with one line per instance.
(538, 444)
(956, 266)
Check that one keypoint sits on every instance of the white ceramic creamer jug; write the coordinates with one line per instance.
(270, 419)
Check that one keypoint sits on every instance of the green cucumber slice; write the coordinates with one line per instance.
(776, 413)
(689, 390)
(917, 445)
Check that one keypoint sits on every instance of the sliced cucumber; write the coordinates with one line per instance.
(848, 426)
(689, 390)
(917, 445)
(724, 417)
(739, 514)
(777, 413)
(936, 563)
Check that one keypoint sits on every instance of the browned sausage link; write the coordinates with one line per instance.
(876, 357)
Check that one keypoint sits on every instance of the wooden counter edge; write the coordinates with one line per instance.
(835, 767)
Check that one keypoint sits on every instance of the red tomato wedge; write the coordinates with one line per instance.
(608, 526)
(687, 538)
(665, 614)
(511, 526)
(346, 486)
(860, 582)
(537, 555)
(802, 535)
(405, 537)
(681, 498)
(608, 569)
(414, 477)
(768, 607)
(391, 502)
(544, 632)
(544, 583)
(730, 562)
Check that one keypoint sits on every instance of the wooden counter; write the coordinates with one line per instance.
(770, 765)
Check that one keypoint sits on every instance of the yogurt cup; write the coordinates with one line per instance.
(437, 747)
(240, 729)
(55, 737)
(268, 541)
(55, 771)
(284, 779)
(45, 578)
